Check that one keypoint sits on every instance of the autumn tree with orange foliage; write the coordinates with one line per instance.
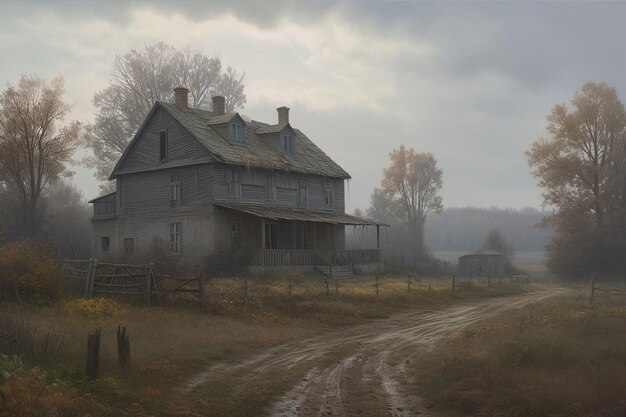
(582, 169)
(412, 181)
(35, 143)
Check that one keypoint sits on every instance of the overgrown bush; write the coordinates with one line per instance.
(27, 339)
(29, 271)
(224, 263)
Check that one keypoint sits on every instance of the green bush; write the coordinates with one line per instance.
(29, 271)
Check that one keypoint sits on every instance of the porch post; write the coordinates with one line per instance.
(262, 241)
(379, 254)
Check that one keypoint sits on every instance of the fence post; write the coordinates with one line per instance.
(91, 277)
(123, 349)
(408, 284)
(200, 289)
(593, 288)
(453, 283)
(93, 354)
(148, 289)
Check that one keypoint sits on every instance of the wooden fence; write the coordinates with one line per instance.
(91, 278)
(611, 294)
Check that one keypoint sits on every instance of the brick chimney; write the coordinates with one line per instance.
(219, 105)
(181, 97)
(283, 115)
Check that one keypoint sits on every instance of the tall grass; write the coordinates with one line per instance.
(557, 358)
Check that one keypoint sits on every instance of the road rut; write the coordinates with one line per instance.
(368, 373)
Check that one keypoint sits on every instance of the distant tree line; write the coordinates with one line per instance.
(464, 229)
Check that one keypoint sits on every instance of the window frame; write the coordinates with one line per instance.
(303, 233)
(271, 236)
(106, 239)
(234, 178)
(288, 143)
(176, 238)
(270, 188)
(129, 246)
(176, 190)
(163, 145)
(303, 197)
(236, 133)
(329, 195)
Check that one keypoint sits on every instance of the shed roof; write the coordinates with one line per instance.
(255, 151)
(276, 213)
(100, 197)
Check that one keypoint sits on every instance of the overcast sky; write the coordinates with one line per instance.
(469, 82)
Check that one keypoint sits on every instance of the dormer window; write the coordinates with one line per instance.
(288, 143)
(163, 145)
(236, 133)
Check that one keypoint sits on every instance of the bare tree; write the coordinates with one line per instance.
(34, 145)
(581, 168)
(413, 181)
(141, 77)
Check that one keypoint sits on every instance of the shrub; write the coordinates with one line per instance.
(90, 307)
(29, 271)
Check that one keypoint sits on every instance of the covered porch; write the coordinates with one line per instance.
(297, 237)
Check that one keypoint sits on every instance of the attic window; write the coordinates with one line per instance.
(236, 133)
(288, 143)
(163, 145)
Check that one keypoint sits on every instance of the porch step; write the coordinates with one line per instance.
(338, 271)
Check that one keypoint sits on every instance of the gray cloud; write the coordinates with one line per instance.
(470, 82)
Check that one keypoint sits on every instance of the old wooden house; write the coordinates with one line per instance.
(207, 182)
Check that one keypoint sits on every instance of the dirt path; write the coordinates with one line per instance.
(368, 367)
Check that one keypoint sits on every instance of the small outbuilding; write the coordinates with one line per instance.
(488, 264)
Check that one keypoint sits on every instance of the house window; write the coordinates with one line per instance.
(236, 133)
(303, 192)
(129, 246)
(234, 183)
(163, 146)
(235, 235)
(175, 237)
(270, 236)
(175, 190)
(287, 143)
(270, 190)
(302, 236)
(329, 195)
(105, 243)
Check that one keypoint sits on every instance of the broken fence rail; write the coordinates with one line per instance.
(91, 278)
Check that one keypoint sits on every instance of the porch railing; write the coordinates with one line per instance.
(358, 256)
(285, 257)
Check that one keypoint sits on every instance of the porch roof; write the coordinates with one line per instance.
(276, 213)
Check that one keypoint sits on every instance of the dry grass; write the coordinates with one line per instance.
(560, 357)
(170, 342)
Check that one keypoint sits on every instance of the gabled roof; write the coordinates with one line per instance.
(255, 151)
(271, 129)
(100, 197)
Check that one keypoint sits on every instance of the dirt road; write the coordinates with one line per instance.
(367, 373)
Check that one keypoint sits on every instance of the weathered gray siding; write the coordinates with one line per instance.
(145, 151)
(254, 188)
(149, 192)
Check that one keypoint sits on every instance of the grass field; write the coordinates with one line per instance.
(170, 342)
(560, 357)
